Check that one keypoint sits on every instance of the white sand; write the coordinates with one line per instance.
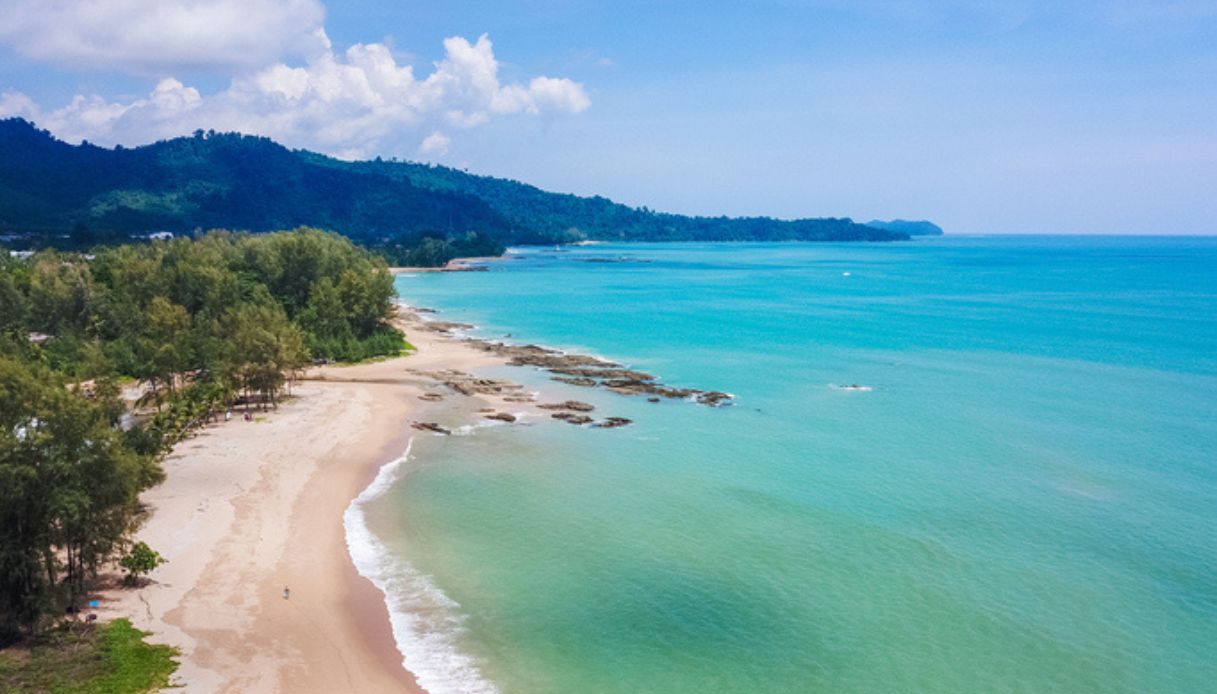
(248, 508)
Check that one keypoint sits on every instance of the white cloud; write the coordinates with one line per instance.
(17, 104)
(159, 37)
(350, 104)
(435, 144)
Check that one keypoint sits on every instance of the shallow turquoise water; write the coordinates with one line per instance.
(1026, 501)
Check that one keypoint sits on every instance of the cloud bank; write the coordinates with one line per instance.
(351, 104)
(159, 36)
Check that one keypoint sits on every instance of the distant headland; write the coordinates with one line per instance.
(428, 214)
(903, 226)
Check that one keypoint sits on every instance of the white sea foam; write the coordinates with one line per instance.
(853, 387)
(471, 429)
(426, 623)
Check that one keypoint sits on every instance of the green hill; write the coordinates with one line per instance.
(210, 180)
(206, 181)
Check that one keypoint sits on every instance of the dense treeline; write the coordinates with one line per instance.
(58, 194)
(536, 216)
(201, 324)
(69, 486)
(919, 227)
(434, 250)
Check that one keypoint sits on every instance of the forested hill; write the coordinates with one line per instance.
(539, 216)
(236, 181)
(209, 181)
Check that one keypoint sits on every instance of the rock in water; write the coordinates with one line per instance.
(572, 405)
(430, 426)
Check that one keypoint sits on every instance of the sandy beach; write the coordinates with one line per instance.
(455, 265)
(249, 508)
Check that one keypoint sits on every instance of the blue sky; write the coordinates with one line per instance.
(988, 117)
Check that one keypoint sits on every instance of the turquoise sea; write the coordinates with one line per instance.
(1026, 500)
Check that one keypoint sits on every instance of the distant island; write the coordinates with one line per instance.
(904, 226)
(415, 214)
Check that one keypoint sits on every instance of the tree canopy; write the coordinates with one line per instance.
(200, 322)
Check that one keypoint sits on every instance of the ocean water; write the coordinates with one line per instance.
(1025, 500)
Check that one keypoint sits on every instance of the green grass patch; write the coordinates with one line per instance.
(86, 659)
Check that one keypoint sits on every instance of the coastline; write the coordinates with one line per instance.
(248, 508)
(471, 264)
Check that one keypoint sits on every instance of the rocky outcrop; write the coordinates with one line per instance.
(713, 398)
(590, 372)
(584, 382)
(572, 405)
(468, 384)
(430, 426)
(573, 369)
(445, 327)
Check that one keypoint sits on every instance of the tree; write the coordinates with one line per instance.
(139, 561)
(13, 304)
(61, 293)
(264, 346)
(326, 315)
(163, 350)
(231, 309)
(68, 492)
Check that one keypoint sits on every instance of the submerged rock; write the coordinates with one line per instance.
(614, 422)
(572, 418)
(501, 416)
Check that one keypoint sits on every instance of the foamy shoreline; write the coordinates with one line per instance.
(427, 648)
(249, 508)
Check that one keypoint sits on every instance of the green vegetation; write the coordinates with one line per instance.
(139, 561)
(536, 216)
(88, 659)
(203, 324)
(69, 485)
(435, 251)
(207, 181)
(912, 228)
(66, 196)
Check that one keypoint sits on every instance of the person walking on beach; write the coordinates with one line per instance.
(287, 593)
